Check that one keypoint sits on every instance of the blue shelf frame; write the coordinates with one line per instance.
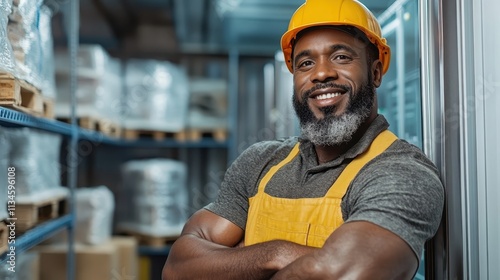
(40, 233)
(12, 118)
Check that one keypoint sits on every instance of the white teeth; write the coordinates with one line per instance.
(327, 95)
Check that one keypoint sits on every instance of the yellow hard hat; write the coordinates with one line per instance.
(335, 12)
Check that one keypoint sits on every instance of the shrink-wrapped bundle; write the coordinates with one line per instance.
(208, 103)
(24, 37)
(48, 85)
(25, 268)
(7, 62)
(154, 198)
(94, 220)
(99, 88)
(109, 97)
(157, 96)
(35, 156)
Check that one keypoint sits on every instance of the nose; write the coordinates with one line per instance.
(324, 72)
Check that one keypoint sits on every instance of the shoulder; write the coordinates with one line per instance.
(401, 166)
(402, 155)
(401, 191)
(264, 152)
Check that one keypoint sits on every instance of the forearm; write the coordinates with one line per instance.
(358, 250)
(192, 257)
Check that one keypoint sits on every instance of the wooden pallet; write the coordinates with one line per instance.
(31, 214)
(4, 233)
(134, 134)
(194, 135)
(105, 126)
(152, 241)
(22, 96)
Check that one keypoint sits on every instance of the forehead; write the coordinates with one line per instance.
(329, 35)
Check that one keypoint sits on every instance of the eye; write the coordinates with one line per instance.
(304, 63)
(342, 57)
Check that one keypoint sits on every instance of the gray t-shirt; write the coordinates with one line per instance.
(399, 190)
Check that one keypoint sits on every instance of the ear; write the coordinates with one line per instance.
(377, 73)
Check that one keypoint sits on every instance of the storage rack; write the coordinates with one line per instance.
(11, 118)
(32, 237)
(74, 135)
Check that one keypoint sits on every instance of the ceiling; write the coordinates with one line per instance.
(169, 28)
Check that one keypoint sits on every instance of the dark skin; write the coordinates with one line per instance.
(210, 247)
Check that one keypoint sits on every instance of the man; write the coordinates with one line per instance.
(347, 199)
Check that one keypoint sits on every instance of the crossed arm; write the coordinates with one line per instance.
(208, 249)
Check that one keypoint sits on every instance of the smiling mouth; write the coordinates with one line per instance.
(327, 96)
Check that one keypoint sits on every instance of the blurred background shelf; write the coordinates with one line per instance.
(38, 234)
(13, 118)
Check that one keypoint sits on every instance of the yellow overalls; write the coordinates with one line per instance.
(306, 221)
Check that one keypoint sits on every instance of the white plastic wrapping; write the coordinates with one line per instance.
(99, 83)
(35, 156)
(26, 265)
(24, 37)
(7, 62)
(48, 85)
(154, 197)
(94, 220)
(208, 103)
(157, 96)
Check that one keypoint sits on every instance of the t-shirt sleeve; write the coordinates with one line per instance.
(403, 194)
(240, 181)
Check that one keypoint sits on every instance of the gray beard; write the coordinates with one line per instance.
(335, 130)
(328, 132)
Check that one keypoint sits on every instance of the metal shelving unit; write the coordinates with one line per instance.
(12, 118)
(34, 236)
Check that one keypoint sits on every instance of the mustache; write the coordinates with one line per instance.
(308, 92)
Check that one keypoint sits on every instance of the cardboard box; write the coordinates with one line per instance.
(128, 260)
(91, 262)
(116, 259)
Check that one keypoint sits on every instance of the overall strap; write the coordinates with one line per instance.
(379, 145)
(270, 173)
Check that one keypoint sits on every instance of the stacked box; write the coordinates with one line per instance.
(157, 96)
(99, 83)
(154, 197)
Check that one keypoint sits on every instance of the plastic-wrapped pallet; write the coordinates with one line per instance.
(94, 220)
(157, 96)
(208, 103)
(35, 155)
(48, 85)
(99, 88)
(4, 165)
(7, 63)
(154, 198)
(24, 37)
(26, 267)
